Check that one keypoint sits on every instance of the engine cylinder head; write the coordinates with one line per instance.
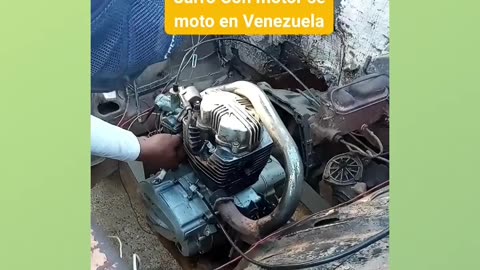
(226, 144)
(232, 119)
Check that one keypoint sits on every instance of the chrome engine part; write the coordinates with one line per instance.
(229, 154)
(226, 144)
(232, 118)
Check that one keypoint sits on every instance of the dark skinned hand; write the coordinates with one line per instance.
(161, 151)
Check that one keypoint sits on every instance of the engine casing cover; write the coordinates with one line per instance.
(175, 210)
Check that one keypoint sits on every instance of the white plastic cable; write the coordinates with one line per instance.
(119, 243)
(136, 262)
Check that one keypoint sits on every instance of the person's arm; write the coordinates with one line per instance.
(160, 151)
(113, 142)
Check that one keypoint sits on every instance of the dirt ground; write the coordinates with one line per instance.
(111, 208)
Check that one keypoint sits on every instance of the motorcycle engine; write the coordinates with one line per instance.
(227, 145)
(229, 154)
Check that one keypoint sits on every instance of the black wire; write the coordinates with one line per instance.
(376, 195)
(342, 262)
(310, 98)
(131, 204)
(142, 121)
(307, 264)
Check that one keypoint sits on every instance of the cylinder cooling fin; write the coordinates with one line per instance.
(227, 145)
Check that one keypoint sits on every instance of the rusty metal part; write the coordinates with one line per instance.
(329, 232)
(288, 155)
(248, 228)
(293, 227)
(348, 107)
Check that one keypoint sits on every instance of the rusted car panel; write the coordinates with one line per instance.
(330, 232)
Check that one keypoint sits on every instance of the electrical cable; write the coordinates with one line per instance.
(289, 226)
(126, 109)
(310, 98)
(131, 203)
(142, 121)
(192, 48)
(369, 150)
(342, 262)
(133, 118)
(383, 159)
(153, 84)
(137, 118)
(136, 261)
(174, 77)
(161, 81)
(119, 244)
(369, 153)
(354, 136)
(150, 110)
(376, 195)
(137, 102)
(312, 263)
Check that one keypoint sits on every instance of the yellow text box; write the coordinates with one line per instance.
(249, 17)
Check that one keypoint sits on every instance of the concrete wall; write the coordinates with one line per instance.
(361, 30)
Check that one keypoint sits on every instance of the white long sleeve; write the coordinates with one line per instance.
(112, 142)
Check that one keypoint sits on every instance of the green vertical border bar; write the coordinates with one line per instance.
(435, 135)
(44, 104)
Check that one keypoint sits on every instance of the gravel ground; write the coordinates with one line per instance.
(112, 210)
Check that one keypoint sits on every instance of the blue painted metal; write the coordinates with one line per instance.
(177, 212)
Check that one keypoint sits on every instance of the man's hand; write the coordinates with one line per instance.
(161, 151)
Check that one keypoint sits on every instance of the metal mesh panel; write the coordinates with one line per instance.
(127, 36)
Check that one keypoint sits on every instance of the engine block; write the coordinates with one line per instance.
(177, 213)
(229, 153)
